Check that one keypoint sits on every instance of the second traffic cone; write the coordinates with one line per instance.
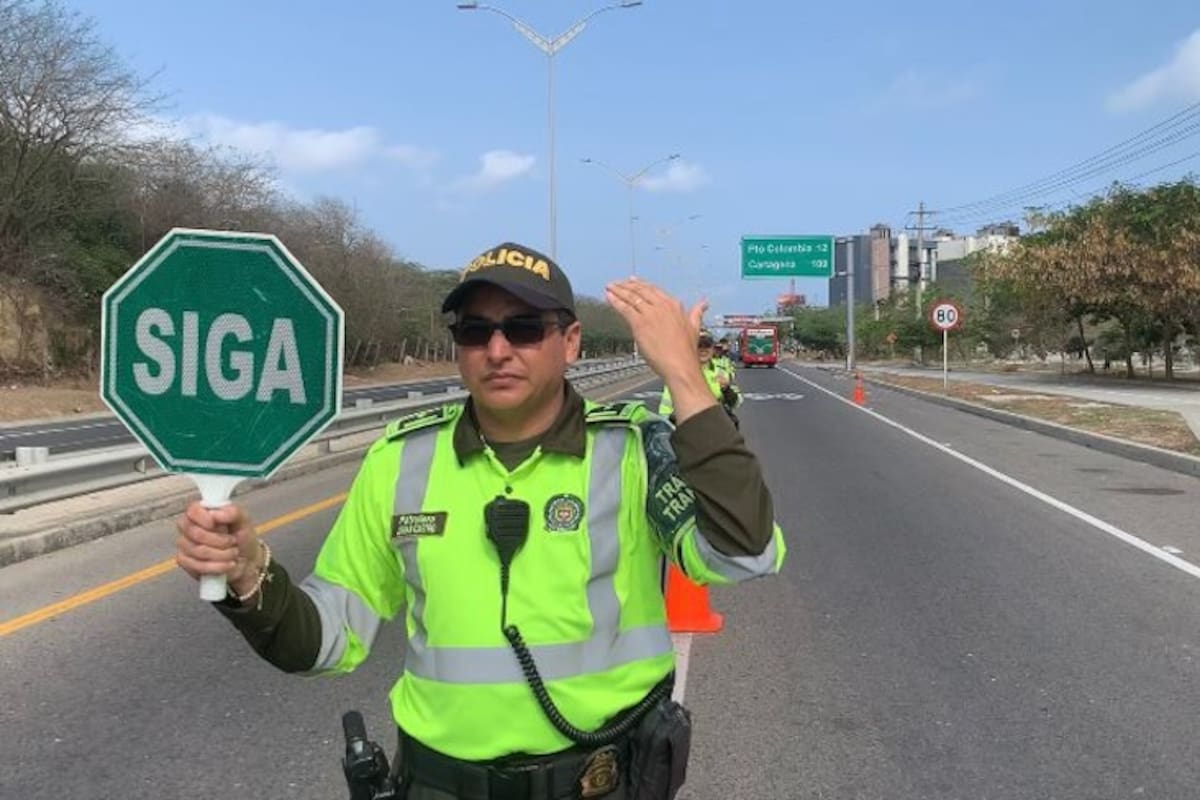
(687, 606)
(860, 396)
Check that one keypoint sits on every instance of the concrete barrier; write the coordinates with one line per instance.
(56, 478)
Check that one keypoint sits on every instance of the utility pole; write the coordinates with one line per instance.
(923, 274)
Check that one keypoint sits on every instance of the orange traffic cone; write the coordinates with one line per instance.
(687, 606)
(860, 396)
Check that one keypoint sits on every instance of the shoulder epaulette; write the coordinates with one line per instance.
(612, 412)
(422, 419)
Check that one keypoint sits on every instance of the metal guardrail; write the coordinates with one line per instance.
(71, 475)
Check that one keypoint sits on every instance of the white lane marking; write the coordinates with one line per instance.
(61, 429)
(683, 649)
(1053, 502)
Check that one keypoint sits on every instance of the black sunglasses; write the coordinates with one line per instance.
(521, 331)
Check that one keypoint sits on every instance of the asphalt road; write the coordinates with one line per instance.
(1006, 626)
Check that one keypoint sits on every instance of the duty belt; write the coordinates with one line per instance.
(570, 774)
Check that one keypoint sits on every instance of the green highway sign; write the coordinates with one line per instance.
(787, 256)
(220, 353)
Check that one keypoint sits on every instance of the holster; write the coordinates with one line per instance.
(659, 752)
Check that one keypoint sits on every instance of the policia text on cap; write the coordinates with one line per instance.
(523, 535)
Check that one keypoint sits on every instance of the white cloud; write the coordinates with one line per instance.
(681, 176)
(295, 150)
(1178, 79)
(495, 168)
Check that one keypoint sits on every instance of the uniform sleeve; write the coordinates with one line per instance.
(358, 581)
(666, 407)
(286, 631)
(329, 620)
(707, 502)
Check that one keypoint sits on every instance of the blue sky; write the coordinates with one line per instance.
(790, 117)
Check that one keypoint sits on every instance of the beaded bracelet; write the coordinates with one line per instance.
(262, 576)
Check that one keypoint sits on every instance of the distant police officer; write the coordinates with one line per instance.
(523, 532)
(722, 360)
(718, 377)
(724, 366)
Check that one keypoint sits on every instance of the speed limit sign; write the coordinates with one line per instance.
(946, 315)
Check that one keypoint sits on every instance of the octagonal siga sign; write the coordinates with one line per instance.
(220, 353)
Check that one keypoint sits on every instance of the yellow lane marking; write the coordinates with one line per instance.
(141, 576)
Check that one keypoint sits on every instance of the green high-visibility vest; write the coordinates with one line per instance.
(666, 406)
(585, 589)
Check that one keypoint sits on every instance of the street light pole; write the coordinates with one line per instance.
(669, 230)
(553, 157)
(550, 47)
(632, 232)
(851, 360)
(630, 182)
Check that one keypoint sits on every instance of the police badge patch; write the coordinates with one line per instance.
(563, 512)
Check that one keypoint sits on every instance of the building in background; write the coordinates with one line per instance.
(886, 262)
(863, 277)
(908, 268)
(881, 262)
(952, 270)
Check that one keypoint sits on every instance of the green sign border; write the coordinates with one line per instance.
(308, 286)
(786, 237)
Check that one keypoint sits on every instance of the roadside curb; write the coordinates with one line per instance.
(38, 542)
(109, 517)
(1147, 454)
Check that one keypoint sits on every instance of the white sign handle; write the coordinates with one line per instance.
(215, 491)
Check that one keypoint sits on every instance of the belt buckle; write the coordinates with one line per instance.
(601, 773)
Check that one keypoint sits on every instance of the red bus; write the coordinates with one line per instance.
(759, 345)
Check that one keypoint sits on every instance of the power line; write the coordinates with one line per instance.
(1052, 188)
(1180, 126)
(1010, 210)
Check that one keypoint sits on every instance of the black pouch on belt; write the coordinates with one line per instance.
(659, 752)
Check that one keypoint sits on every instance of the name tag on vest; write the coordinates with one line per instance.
(406, 525)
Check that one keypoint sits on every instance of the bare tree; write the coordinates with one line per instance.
(177, 184)
(65, 97)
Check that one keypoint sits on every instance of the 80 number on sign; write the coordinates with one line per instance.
(945, 315)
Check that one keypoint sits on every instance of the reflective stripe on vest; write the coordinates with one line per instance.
(340, 610)
(608, 646)
(737, 568)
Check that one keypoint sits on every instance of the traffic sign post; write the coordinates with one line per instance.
(223, 356)
(787, 256)
(945, 316)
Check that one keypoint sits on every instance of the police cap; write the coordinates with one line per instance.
(520, 271)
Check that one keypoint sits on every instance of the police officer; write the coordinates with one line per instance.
(722, 359)
(523, 533)
(719, 380)
(724, 366)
